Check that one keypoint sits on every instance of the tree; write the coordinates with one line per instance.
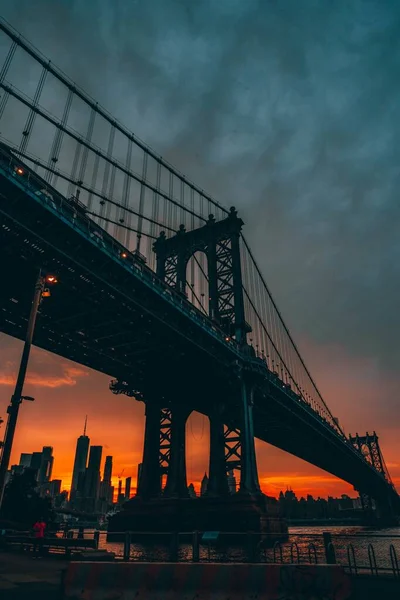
(22, 504)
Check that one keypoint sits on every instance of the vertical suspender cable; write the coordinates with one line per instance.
(126, 193)
(26, 134)
(141, 202)
(50, 177)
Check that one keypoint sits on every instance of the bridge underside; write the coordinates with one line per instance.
(102, 316)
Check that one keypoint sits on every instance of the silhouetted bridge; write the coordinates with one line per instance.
(154, 292)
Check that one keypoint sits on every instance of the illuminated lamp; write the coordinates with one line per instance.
(51, 279)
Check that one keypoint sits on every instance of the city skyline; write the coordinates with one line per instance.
(27, 460)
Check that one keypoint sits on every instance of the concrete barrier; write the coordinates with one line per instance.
(211, 581)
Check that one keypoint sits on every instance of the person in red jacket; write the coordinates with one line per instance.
(39, 529)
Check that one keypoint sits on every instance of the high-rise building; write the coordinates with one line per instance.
(106, 490)
(46, 465)
(128, 482)
(107, 474)
(139, 474)
(51, 489)
(55, 487)
(16, 470)
(25, 460)
(92, 475)
(36, 462)
(204, 485)
(191, 491)
(81, 454)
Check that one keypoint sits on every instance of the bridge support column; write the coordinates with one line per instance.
(149, 485)
(218, 482)
(176, 486)
(249, 483)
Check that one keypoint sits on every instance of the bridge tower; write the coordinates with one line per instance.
(219, 241)
(368, 446)
(229, 448)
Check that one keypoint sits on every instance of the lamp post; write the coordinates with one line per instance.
(17, 397)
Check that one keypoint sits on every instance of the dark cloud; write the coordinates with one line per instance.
(290, 110)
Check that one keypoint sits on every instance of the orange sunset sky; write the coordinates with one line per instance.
(65, 392)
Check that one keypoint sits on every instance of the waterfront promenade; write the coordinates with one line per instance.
(23, 577)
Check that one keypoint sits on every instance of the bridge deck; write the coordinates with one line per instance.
(115, 316)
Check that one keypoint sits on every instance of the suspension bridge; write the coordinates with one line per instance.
(158, 289)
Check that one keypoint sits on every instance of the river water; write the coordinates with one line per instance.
(362, 546)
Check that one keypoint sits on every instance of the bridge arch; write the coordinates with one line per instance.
(197, 280)
(219, 242)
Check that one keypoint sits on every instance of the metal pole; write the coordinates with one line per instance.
(13, 408)
(330, 553)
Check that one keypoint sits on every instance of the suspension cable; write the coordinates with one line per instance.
(93, 192)
(129, 228)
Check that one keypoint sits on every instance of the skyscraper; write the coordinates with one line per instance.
(81, 454)
(139, 474)
(46, 465)
(92, 476)
(36, 461)
(128, 482)
(204, 485)
(120, 490)
(25, 460)
(107, 474)
(106, 493)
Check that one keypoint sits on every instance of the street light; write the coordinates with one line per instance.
(17, 397)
